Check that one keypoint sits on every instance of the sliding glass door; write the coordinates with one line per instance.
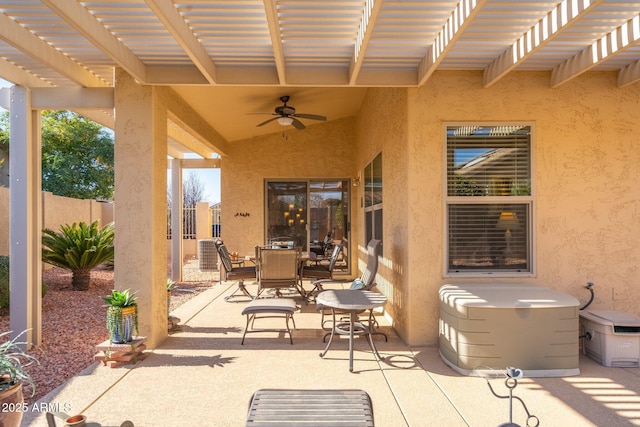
(313, 214)
(286, 216)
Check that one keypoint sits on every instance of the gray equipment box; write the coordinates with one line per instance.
(614, 337)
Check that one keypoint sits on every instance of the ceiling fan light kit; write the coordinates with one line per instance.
(286, 115)
(285, 121)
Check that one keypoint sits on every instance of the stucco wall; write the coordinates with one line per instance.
(325, 150)
(587, 200)
(586, 203)
(56, 211)
(379, 131)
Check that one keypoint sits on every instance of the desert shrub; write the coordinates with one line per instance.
(4, 281)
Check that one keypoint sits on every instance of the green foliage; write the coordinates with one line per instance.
(521, 188)
(464, 186)
(121, 298)
(80, 248)
(4, 130)
(4, 148)
(77, 156)
(4, 281)
(13, 361)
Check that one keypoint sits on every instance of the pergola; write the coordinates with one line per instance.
(180, 77)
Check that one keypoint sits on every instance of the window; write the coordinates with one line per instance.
(373, 200)
(489, 199)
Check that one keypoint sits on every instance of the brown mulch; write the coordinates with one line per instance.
(73, 323)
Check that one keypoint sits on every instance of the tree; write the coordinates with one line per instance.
(77, 156)
(192, 190)
(4, 148)
(192, 193)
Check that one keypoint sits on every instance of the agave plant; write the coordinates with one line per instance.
(120, 298)
(80, 248)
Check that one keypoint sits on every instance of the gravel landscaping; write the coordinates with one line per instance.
(74, 322)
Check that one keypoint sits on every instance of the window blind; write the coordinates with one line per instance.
(488, 162)
(489, 230)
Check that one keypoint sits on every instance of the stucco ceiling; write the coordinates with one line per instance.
(232, 110)
(228, 58)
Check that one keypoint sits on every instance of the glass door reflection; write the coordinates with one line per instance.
(313, 215)
(287, 213)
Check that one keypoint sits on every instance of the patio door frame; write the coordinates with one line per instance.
(346, 188)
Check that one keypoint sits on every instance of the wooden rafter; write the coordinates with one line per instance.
(612, 43)
(537, 37)
(30, 44)
(273, 22)
(459, 19)
(74, 14)
(368, 23)
(175, 24)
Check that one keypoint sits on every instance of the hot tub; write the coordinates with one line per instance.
(495, 326)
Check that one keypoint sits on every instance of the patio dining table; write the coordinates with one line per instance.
(353, 302)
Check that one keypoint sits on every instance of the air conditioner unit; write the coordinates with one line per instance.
(207, 255)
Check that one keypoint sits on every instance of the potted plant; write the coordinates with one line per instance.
(122, 316)
(169, 286)
(13, 361)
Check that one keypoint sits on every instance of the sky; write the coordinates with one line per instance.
(210, 178)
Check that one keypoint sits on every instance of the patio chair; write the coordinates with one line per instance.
(365, 282)
(321, 272)
(277, 269)
(235, 270)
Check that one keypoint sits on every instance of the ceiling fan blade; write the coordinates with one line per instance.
(311, 116)
(267, 121)
(297, 124)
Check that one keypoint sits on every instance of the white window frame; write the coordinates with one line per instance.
(529, 200)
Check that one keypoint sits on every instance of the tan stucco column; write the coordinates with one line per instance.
(141, 202)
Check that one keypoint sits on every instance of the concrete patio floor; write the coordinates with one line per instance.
(202, 376)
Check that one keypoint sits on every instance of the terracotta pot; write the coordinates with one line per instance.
(12, 404)
(76, 421)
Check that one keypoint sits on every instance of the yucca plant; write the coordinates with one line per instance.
(79, 248)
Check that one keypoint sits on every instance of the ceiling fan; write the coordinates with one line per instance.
(286, 115)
